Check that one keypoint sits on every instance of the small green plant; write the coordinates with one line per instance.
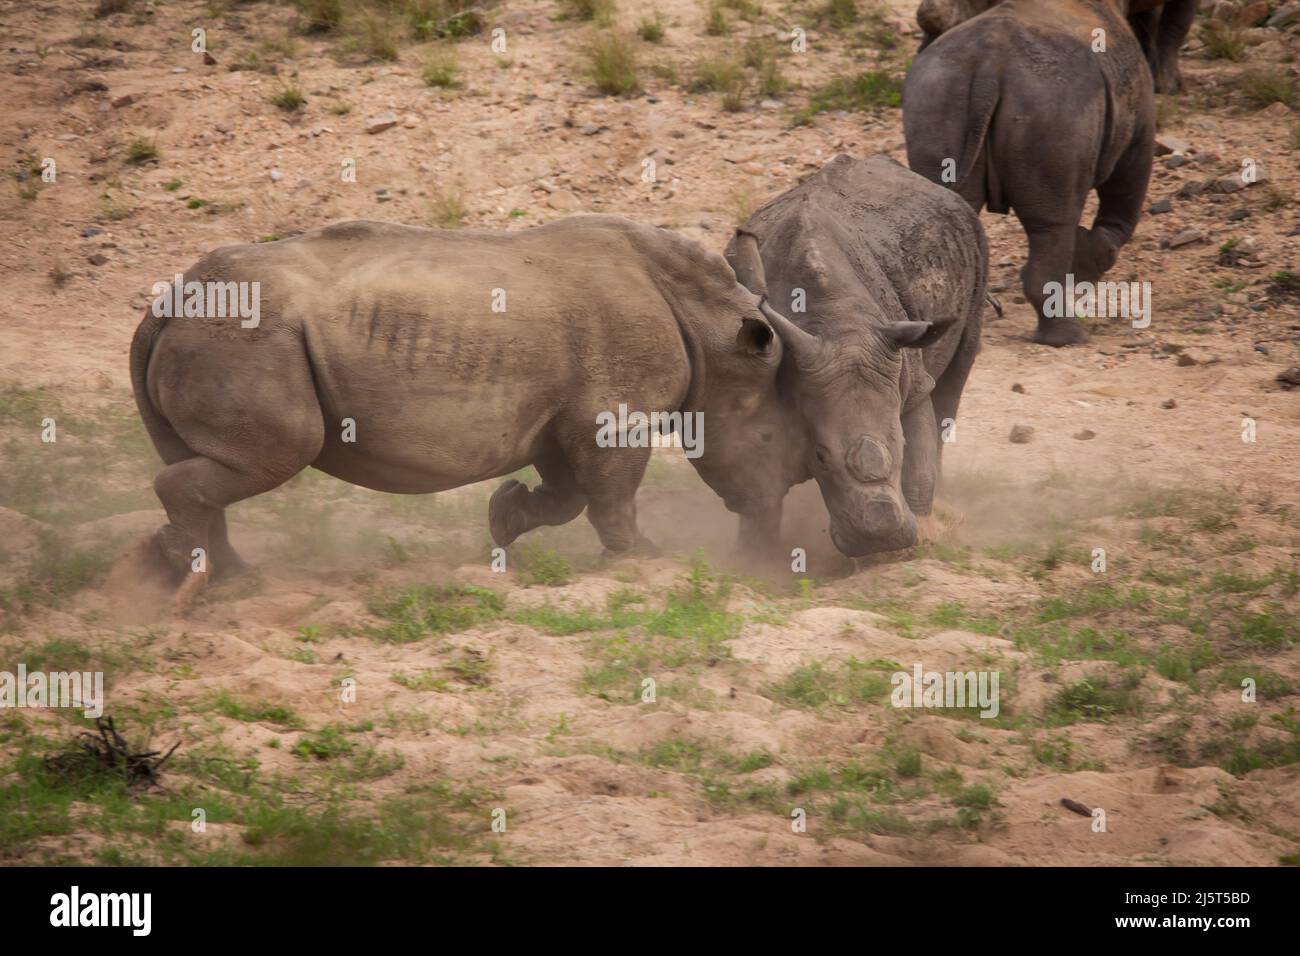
(447, 207)
(319, 16)
(140, 151)
(613, 63)
(1223, 41)
(1264, 87)
(545, 566)
(441, 69)
(651, 28)
(715, 21)
(600, 12)
(873, 89)
(289, 98)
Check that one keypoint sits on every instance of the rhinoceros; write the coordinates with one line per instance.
(415, 360)
(1030, 106)
(882, 276)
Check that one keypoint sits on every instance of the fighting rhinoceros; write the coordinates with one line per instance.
(415, 360)
(1159, 25)
(1030, 106)
(882, 275)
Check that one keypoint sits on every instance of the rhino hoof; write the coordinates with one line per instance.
(505, 520)
(1061, 332)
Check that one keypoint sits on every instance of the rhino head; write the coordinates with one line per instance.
(846, 387)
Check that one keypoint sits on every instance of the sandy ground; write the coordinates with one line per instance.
(712, 770)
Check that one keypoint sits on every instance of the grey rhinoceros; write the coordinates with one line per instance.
(414, 360)
(882, 274)
(1030, 106)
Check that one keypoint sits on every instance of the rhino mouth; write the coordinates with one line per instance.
(882, 523)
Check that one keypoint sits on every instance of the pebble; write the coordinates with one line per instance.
(276, 175)
(381, 122)
(1020, 434)
(1184, 238)
(1086, 434)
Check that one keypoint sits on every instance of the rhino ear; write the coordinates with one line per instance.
(756, 338)
(915, 335)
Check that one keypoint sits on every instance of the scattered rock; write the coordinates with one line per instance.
(381, 122)
(1191, 188)
(126, 99)
(563, 201)
(1289, 378)
(276, 175)
(1237, 215)
(97, 259)
(1018, 388)
(1286, 15)
(1160, 207)
(1020, 434)
(1184, 238)
(209, 59)
(1276, 110)
(1086, 434)
(1196, 357)
(1165, 145)
(1168, 403)
(1228, 184)
(90, 231)
(1175, 161)
(1252, 13)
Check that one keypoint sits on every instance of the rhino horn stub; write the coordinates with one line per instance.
(747, 263)
(915, 335)
(799, 343)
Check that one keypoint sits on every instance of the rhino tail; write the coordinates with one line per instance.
(981, 104)
(171, 447)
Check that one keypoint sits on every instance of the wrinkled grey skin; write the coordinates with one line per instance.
(1160, 26)
(1016, 104)
(892, 270)
(393, 327)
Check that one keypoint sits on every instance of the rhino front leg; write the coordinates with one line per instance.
(920, 457)
(608, 478)
(760, 530)
(514, 509)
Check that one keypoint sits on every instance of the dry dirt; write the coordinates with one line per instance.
(1120, 689)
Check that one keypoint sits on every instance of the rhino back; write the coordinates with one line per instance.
(399, 329)
(876, 241)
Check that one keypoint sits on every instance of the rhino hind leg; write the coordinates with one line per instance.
(1176, 18)
(514, 509)
(225, 558)
(1051, 256)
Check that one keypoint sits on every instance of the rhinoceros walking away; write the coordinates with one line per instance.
(1030, 106)
(450, 358)
(882, 274)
